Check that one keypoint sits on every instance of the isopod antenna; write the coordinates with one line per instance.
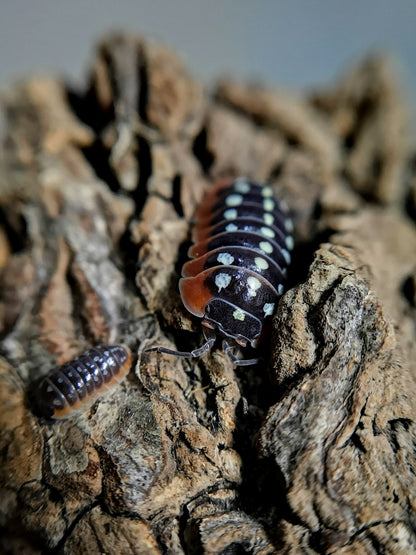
(207, 346)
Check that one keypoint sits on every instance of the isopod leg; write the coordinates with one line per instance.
(229, 351)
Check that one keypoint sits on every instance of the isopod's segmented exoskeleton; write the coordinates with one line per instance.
(242, 242)
(68, 387)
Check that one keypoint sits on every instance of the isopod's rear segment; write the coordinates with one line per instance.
(242, 249)
(74, 384)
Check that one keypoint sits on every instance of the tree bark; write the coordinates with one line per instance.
(312, 451)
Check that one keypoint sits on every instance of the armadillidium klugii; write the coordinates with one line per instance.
(242, 242)
(68, 387)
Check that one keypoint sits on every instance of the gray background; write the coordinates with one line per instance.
(293, 43)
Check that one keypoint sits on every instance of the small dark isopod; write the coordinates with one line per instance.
(75, 383)
(242, 241)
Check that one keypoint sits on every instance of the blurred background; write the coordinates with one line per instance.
(292, 44)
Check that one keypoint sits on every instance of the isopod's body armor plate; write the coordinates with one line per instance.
(242, 239)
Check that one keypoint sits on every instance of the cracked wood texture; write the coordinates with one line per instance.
(312, 451)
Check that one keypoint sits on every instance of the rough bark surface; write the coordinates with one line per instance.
(311, 452)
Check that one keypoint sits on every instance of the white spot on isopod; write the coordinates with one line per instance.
(266, 247)
(286, 256)
(242, 187)
(289, 225)
(253, 284)
(268, 219)
(267, 192)
(234, 200)
(267, 232)
(225, 258)
(284, 206)
(280, 289)
(289, 242)
(222, 281)
(261, 263)
(231, 227)
(230, 214)
(238, 315)
(268, 309)
(268, 204)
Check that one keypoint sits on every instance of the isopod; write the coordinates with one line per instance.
(68, 387)
(242, 242)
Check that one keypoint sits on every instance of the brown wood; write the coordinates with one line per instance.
(313, 451)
